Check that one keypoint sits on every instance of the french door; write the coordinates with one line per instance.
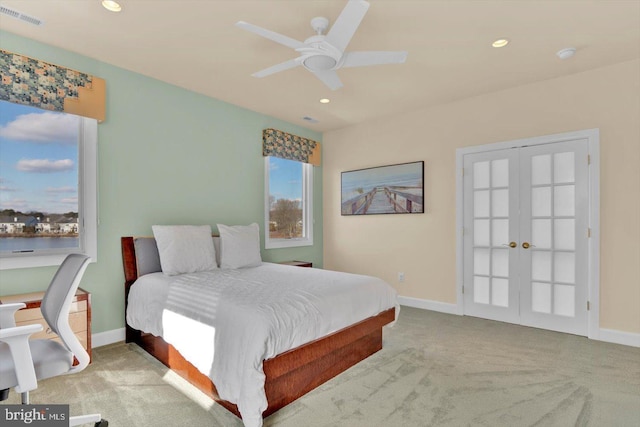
(526, 230)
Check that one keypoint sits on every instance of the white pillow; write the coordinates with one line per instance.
(239, 246)
(185, 248)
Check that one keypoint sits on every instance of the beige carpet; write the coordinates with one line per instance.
(434, 370)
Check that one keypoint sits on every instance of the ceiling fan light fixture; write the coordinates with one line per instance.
(323, 54)
(111, 5)
(500, 43)
(319, 63)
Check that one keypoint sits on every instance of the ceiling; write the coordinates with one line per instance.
(194, 44)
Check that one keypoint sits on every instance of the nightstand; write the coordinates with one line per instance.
(79, 315)
(298, 263)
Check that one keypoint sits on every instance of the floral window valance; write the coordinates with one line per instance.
(281, 144)
(39, 84)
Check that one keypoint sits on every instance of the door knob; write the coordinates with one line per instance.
(513, 244)
(525, 245)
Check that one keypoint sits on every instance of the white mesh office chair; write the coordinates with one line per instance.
(24, 362)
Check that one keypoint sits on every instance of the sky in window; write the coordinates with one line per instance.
(38, 159)
(285, 179)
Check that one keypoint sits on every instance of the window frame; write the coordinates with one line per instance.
(307, 211)
(87, 208)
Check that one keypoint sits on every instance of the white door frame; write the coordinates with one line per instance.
(593, 279)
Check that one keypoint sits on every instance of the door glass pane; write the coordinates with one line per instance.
(541, 169)
(541, 201)
(500, 292)
(541, 297)
(481, 290)
(541, 265)
(500, 262)
(500, 235)
(564, 200)
(481, 175)
(481, 203)
(564, 267)
(541, 233)
(563, 167)
(500, 173)
(481, 261)
(564, 234)
(481, 232)
(500, 202)
(564, 300)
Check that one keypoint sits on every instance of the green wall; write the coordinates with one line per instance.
(165, 156)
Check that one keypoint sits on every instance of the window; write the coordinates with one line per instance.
(47, 186)
(288, 203)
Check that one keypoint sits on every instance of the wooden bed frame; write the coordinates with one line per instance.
(289, 375)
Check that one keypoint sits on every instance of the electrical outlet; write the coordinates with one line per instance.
(401, 277)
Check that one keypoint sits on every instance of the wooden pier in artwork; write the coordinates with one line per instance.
(383, 200)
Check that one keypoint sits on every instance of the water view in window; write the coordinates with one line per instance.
(38, 179)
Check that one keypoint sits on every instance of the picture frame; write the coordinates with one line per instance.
(391, 189)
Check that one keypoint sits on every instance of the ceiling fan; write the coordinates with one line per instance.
(324, 54)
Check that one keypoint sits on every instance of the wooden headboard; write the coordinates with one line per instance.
(130, 266)
(129, 261)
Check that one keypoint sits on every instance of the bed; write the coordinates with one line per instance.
(294, 369)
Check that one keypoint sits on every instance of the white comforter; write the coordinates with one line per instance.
(226, 322)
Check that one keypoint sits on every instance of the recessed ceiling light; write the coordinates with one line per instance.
(325, 101)
(111, 5)
(500, 43)
(566, 53)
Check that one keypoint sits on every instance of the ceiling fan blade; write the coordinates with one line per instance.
(361, 59)
(347, 23)
(329, 78)
(278, 38)
(277, 68)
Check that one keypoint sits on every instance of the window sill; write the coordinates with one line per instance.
(33, 261)
(287, 243)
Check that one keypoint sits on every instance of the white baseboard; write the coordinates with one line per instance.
(619, 337)
(606, 335)
(441, 307)
(107, 337)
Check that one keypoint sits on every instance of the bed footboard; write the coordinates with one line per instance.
(292, 374)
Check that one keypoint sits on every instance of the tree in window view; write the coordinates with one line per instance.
(287, 216)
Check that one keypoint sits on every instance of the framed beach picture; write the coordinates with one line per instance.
(393, 189)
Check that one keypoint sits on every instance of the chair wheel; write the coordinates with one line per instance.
(102, 423)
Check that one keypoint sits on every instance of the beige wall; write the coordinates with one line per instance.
(423, 246)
